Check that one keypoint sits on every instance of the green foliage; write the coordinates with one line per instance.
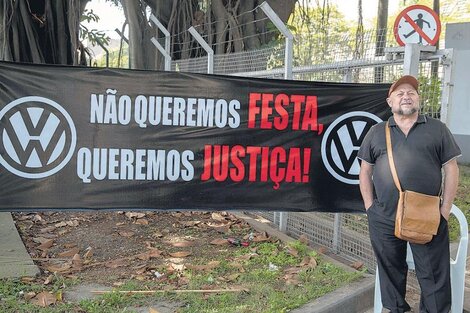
(109, 303)
(114, 59)
(317, 34)
(430, 88)
(94, 36)
(462, 201)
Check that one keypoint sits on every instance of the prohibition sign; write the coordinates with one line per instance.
(417, 24)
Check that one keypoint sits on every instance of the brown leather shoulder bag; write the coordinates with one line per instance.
(418, 214)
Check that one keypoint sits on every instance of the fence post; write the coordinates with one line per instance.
(289, 53)
(126, 41)
(283, 221)
(337, 232)
(446, 95)
(412, 56)
(205, 46)
(164, 51)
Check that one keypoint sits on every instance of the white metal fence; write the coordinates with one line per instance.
(350, 57)
(344, 234)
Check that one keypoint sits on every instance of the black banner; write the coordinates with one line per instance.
(94, 138)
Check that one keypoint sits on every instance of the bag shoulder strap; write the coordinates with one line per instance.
(388, 140)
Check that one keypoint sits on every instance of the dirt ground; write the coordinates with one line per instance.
(108, 248)
(111, 247)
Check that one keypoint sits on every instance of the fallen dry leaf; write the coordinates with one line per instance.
(140, 277)
(238, 266)
(73, 223)
(322, 250)
(44, 299)
(261, 237)
(117, 263)
(180, 254)
(190, 223)
(292, 251)
(219, 224)
(60, 224)
(303, 239)
(47, 229)
(357, 265)
(134, 214)
(40, 240)
(58, 268)
(29, 295)
(48, 279)
(77, 262)
(152, 310)
(157, 234)
(69, 253)
(182, 281)
(217, 216)
(183, 244)
(126, 233)
(46, 245)
(28, 279)
(89, 253)
(175, 268)
(140, 269)
(142, 221)
(219, 242)
(292, 280)
(246, 257)
(309, 262)
(224, 229)
(233, 277)
(152, 253)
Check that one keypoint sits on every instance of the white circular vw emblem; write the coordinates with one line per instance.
(37, 137)
(341, 143)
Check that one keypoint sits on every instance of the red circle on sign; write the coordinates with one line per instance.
(404, 14)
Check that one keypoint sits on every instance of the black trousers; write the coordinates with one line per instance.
(432, 263)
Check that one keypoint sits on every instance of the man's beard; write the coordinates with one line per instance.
(405, 112)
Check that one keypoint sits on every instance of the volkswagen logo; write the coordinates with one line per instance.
(341, 143)
(37, 137)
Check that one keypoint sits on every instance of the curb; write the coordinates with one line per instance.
(15, 261)
(355, 297)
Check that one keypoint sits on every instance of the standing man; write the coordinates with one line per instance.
(423, 148)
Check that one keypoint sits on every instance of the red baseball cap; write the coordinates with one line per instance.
(406, 79)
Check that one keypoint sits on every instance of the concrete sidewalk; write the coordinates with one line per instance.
(15, 261)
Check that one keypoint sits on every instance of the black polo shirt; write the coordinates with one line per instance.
(418, 159)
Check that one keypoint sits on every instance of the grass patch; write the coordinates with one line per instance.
(462, 201)
(276, 276)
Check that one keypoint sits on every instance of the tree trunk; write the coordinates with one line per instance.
(35, 53)
(4, 52)
(359, 44)
(40, 31)
(133, 16)
(381, 37)
(220, 17)
(248, 21)
(283, 9)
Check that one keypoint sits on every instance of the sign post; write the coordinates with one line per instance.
(417, 24)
